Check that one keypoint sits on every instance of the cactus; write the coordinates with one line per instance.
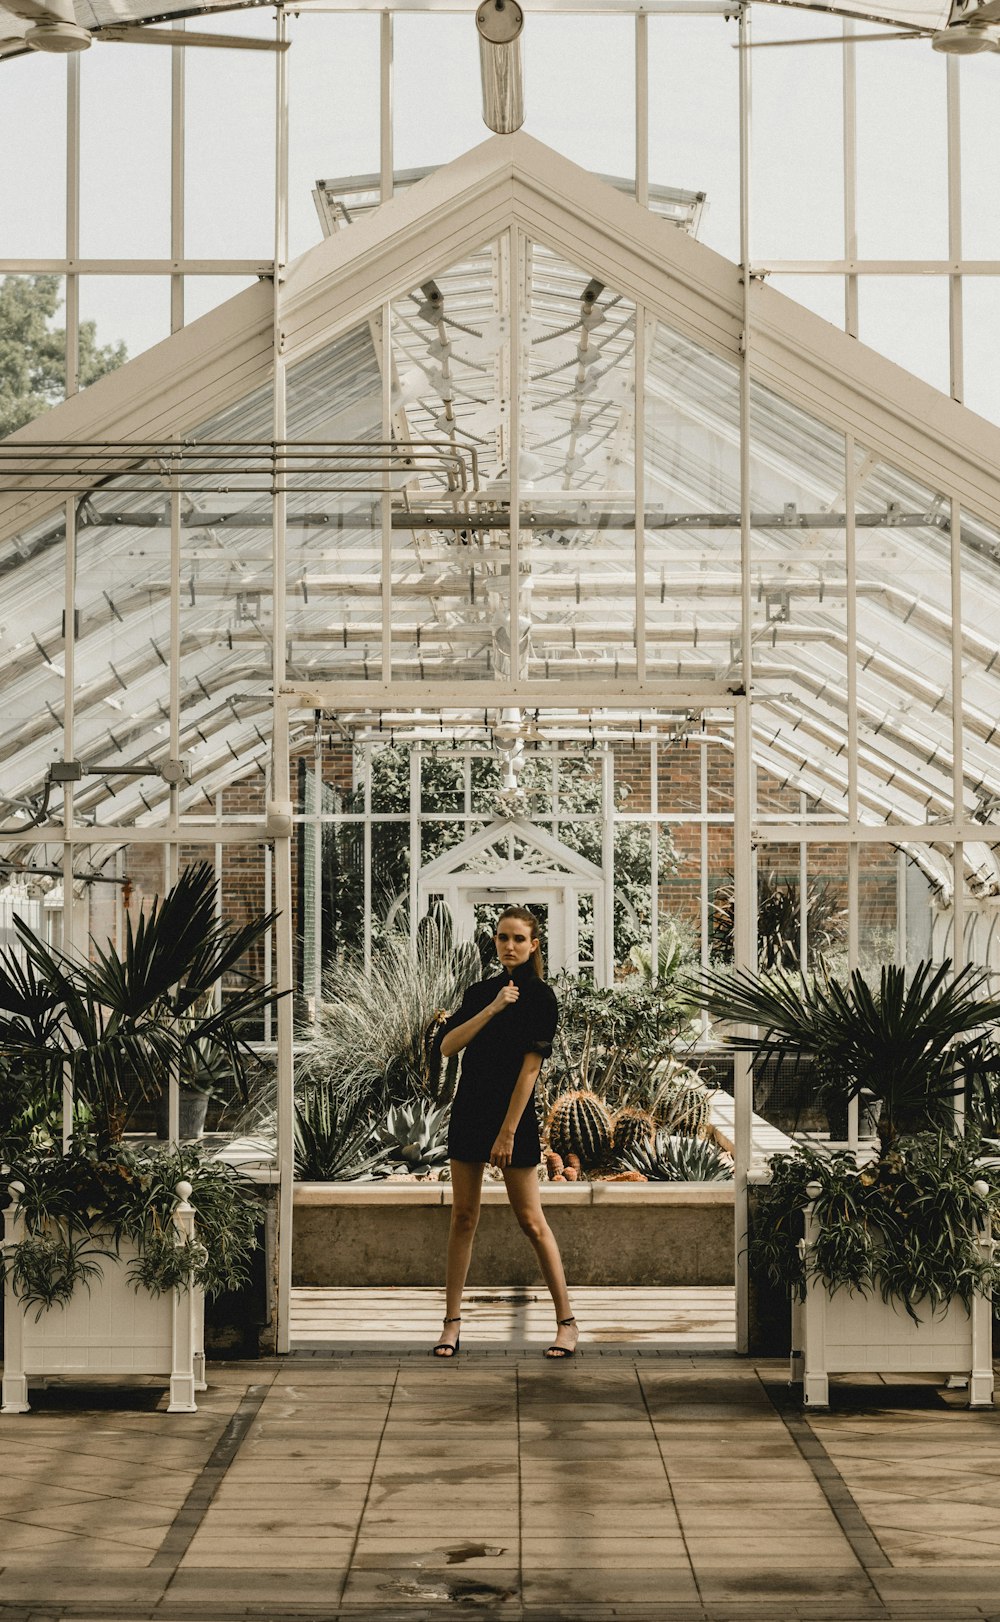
(579, 1124)
(414, 1136)
(553, 1164)
(630, 1128)
(682, 1103)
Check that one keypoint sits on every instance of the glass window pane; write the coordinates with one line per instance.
(797, 207)
(902, 152)
(330, 135)
(125, 152)
(694, 119)
(229, 160)
(906, 319)
(579, 75)
(33, 192)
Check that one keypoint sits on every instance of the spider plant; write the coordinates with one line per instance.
(117, 1025)
(906, 1225)
(913, 1040)
(78, 1207)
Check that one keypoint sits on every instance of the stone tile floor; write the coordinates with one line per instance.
(633, 1486)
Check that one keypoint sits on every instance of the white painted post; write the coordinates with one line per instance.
(182, 1374)
(15, 1380)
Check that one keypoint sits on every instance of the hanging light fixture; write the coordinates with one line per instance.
(499, 24)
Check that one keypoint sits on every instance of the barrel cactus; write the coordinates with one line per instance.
(682, 1103)
(630, 1128)
(579, 1124)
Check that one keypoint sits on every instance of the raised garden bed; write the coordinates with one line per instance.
(357, 1234)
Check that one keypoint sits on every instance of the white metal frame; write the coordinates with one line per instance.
(513, 185)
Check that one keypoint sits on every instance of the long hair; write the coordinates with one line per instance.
(526, 917)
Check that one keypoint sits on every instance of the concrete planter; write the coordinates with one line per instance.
(110, 1328)
(357, 1234)
(850, 1333)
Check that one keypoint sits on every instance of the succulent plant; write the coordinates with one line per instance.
(579, 1124)
(630, 1128)
(414, 1136)
(674, 1158)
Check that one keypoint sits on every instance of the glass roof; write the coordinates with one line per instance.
(444, 567)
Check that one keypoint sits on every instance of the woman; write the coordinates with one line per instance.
(505, 1028)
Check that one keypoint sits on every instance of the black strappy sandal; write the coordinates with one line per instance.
(556, 1354)
(444, 1349)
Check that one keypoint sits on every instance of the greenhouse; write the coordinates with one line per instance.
(456, 461)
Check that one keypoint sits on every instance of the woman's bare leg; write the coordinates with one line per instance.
(466, 1190)
(526, 1202)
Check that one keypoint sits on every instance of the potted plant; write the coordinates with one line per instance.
(95, 1226)
(887, 1256)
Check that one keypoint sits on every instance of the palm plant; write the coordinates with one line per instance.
(116, 1026)
(914, 1040)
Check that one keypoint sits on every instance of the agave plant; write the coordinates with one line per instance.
(414, 1136)
(118, 1025)
(912, 1041)
(673, 1158)
(333, 1136)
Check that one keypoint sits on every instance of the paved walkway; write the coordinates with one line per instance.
(635, 1487)
(512, 1319)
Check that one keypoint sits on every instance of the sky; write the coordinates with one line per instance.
(579, 98)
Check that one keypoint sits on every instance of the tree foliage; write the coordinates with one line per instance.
(33, 351)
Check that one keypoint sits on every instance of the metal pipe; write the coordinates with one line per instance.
(499, 24)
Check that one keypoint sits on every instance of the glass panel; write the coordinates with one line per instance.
(799, 604)
(204, 293)
(981, 344)
(34, 347)
(229, 173)
(880, 868)
(33, 194)
(904, 644)
(980, 181)
(810, 167)
(824, 295)
(330, 133)
(906, 319)
(450, 576)
(902, 153)
(694, 119)
(576, 69)
(333, 545)
(428, 128)
(120, 316)
(980, 673)
(692, 584)
(32, 670)
(125, 152)
(577, 553)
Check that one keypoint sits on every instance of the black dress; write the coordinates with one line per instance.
(491, 1064)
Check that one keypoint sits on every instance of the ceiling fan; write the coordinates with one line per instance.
(53, 27)
(969, 29)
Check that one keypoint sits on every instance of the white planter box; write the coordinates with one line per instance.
(850, 1333)
(110, 1328)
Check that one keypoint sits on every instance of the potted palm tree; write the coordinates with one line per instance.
(887, 1256)
(103, 1270)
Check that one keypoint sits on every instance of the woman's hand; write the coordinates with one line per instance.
(505, 998)
(502, 1151)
